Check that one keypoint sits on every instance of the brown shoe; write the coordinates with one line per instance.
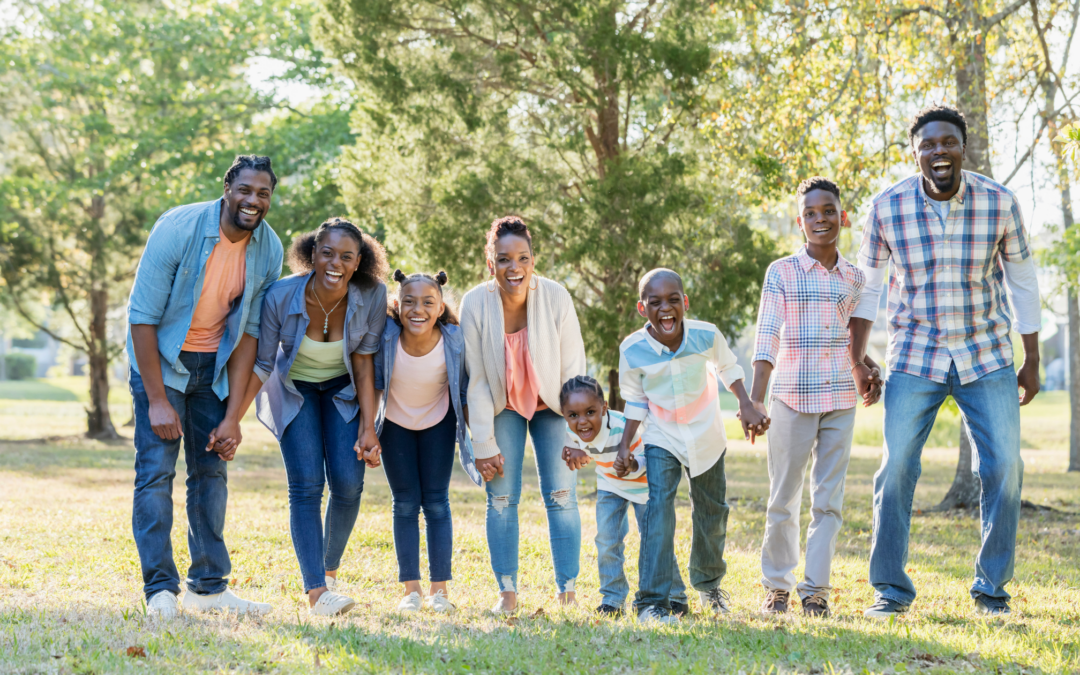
(776, 602)
(816, 604)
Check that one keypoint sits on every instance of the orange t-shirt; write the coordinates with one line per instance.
(522, 382)
(223, 282)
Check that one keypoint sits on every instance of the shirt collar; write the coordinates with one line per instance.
(655, 344)
(212, 228)
(958, 197)
(806, 263)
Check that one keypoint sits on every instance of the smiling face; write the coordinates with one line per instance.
(247, 199)
(664, 305)
(420, 305)
(584, 411)
(512, 264)
(336, 257)
(820, 217)
(938, 148)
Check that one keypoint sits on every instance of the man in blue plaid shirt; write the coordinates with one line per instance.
(957, 246)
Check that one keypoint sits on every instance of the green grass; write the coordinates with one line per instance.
(70, 587)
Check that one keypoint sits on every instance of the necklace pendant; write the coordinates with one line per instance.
(324, 326)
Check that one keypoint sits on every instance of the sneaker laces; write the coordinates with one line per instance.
(775, 596)
(718, 596)
(993, 602)
(821, 598)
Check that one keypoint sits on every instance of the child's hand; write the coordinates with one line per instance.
(623, 462)
(575, 458)
(872, 382)
(754, 418)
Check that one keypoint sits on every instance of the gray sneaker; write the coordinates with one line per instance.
(652, 614)
(883, 608)
(991, 606)
(716, 599)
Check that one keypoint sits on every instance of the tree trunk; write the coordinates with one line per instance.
(615, 401)
(99, 422)
(1074, 382)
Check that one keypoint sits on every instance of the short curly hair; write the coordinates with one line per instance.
(373, 266)
(817, 183)
(502, 227)
(253, 162)
(937, 113)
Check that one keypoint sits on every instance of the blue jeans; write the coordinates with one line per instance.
(558, 485)
(612, 525)
(418, 465)
(991, 409)
(708, 513)
(200, 411)
(317, 447)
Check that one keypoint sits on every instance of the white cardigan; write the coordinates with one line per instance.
(555, 347)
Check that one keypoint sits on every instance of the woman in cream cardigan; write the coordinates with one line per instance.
(522, 341)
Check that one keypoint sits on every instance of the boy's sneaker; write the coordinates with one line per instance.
(680, 609)
(331, 604)
(776, 602)
(608, 610)
(439, 603)
(225, 601)
(816, 604)
(990, 606)
(883, 608)
(162, 605)
(652, 614)
(716, 599)
(411, 603)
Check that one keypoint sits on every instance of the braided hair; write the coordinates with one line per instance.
(448, 316)
(580, 383)
(253, 162)
(373, 266)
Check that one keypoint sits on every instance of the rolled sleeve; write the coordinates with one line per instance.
(155, 274)
(770, 317)
(637, 405)
(269, 337)
(369, 344)
(1022, 287)
(870, 293)
(272, 275)
(727, 365)
(1014, 244)
(874, 251)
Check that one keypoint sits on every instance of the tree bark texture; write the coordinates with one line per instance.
(99, 421)
(615, 401)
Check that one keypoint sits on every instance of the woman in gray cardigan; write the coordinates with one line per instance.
(522, 341)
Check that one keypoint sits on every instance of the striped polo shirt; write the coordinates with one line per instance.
(603, 449)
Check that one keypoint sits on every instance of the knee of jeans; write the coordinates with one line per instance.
(406, 508)
(436, 508)
(304, 493)
(153, 477)
(562, 498)
(499, 503)
(1005, 472)
(347, 494)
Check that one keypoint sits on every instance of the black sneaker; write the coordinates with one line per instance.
(680, 609)
(816, 604)
(991, 606)
(883, 608)
(776, 602)
(608, 610)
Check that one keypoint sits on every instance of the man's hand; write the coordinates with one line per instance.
(225, 439)
(164, 421)
(575, 458)
(868, 381)
(624, 461)
(490, 467)
(754, 418)
(1027, 378)
(367, 448)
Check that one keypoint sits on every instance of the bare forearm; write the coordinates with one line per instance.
(144, 339)
(630, 431)
(241, 365)
(739, 389)
(762, 373)
(859, 332)
(364, 376)
(1031, 347)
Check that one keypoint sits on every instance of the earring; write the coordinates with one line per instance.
(533, 283)
(491, 285)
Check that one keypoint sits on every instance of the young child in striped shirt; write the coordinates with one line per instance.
(594, 434)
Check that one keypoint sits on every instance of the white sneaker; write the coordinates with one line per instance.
(163, 605)
(331, 583)
(656, 615)
(410, 603)
(224, 602)
(438, 602)
(332, 604)
(716, 599)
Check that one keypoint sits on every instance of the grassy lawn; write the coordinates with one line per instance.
(70, 587)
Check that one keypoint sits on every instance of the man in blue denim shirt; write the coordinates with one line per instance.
(194, 328)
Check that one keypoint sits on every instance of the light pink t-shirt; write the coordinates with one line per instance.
(522, 382)
(419, 393)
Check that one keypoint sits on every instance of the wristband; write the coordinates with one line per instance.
(857, 364)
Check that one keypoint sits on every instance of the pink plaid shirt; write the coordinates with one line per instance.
(947, 297)
(802, 329)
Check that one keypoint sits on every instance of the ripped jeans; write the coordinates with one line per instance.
(557, 485)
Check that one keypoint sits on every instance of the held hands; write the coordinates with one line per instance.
(489, 467)
(624, 462)
(868, 381)
(367, 448)
(755, 419)
(575, 459)
(225, 439)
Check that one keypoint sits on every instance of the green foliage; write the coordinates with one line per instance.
(19, 366)
(577, 116)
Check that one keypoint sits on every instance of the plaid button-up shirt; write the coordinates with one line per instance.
(946, 296)
(802, 330)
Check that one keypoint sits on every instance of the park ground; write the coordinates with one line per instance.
(71, 601)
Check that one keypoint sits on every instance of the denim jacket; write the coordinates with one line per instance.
(457, 379)
(169, 281)
(284, 322)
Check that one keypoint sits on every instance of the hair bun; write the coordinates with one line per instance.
(441, 278)
(399, 276)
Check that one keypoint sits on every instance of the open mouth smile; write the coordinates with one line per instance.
(247, 211)
(823, 229)
(333, 277)
(417, 320)
(667, 323)
(941, 167)
(515, 280)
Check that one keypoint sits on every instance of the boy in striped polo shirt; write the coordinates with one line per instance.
(668, 374)
(594, 434)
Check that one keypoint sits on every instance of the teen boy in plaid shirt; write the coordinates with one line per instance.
(957, 243)
(802, 332)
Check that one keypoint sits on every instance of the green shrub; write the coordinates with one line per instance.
(20, 366)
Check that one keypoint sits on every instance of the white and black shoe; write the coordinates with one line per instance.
(716, 599)
(331, 604)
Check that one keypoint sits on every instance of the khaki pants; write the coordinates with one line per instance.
(793, 438)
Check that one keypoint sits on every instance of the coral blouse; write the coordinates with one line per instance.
(522, 383)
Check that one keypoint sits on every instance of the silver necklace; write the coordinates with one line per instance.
(326, 321)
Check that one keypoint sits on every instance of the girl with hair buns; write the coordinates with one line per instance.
(318, 335)
(420, 375)
(522, 342)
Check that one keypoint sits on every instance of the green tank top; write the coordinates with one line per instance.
(318, 361)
